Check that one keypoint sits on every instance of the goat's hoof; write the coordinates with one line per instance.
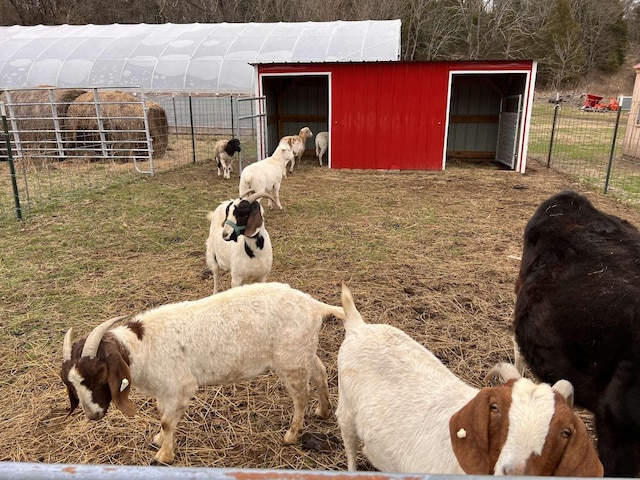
(290, 438)
(158, 463)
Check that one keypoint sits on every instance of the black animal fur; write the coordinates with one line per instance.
(577, 317)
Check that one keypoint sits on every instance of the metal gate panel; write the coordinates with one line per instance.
(509, 130)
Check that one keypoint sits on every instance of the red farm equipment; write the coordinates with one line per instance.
(594, 103)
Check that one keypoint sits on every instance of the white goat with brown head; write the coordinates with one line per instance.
(170, 351)
(238, 241)
(414, 415)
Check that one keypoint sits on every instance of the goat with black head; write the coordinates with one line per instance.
(223, 152)
(238, 241)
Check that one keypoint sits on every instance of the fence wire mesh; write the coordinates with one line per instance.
(66, 143)
(585, 144)
(61, 155)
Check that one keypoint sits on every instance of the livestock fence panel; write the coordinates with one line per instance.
(66, 142)
(586, 144)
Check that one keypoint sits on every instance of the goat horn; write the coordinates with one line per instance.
(506, 372)
(66, 346)
(248, 192)
(257, 195)
(93, 339)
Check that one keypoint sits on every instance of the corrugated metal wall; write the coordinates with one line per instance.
(389, 116)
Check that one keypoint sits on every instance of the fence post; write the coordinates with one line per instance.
(556, 107)
(12, 168)
(613, 147)
(193, 135)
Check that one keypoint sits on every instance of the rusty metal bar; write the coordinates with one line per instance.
(33, 471)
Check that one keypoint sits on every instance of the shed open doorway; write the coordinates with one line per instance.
(486, 114)
(294, 102)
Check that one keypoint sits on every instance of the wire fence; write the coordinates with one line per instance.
(587, 144)
(63, 148)
(64, 143)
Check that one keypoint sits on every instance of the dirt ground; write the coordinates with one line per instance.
(433, 253)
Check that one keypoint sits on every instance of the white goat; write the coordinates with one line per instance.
(170, 351)
(239, 242)
(297, 144)
(266, 175)
(223, 151)
(414, 415)
(322, 144)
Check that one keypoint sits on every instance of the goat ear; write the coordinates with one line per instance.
(565, 389)
(470, 437)
(254, 222)
(579, 458)
(120, 384)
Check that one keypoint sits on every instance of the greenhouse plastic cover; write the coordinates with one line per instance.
(182, 57)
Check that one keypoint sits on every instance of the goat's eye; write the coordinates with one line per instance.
(495, 408)
(566, 433)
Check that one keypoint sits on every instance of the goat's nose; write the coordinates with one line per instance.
(94, 415)
(510, 470)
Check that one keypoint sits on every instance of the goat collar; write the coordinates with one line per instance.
(237, 229)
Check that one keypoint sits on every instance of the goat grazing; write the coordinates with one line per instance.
(239, 242)
(223, 151)
(298, 145)
(322, 144)
(266, 175)
(170, 351)
(577, 316)
(414, 415)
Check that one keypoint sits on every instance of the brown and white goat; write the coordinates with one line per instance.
(414, 415)
(170, 351)
(223, 152)
(238, 241)
(298, 145)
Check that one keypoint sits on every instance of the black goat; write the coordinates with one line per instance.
(577, 317)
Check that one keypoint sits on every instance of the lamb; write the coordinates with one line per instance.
(170, 351)
(223, 151)
(577, 316)
(322, 144)
(266, 175)
(413, 415)
(238, 241)
(297, 144)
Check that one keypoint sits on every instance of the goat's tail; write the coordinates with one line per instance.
(352, 318)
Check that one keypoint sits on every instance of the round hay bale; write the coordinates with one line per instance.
(158, 128)
(34, 116)
(123, 126)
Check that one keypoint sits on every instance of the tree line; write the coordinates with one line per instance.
(571, 39)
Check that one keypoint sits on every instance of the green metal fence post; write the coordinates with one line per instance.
(193, 134)
(612, 151)
(12, 168)
(556, 107)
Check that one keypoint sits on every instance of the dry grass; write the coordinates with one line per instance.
(433, 253)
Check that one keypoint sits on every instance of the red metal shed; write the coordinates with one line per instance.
(403, 115)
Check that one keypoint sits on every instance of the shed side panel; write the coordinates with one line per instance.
(389, 116)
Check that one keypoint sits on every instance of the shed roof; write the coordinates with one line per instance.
(182, 57)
